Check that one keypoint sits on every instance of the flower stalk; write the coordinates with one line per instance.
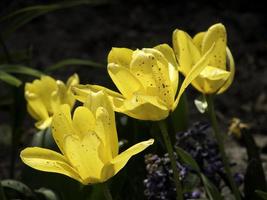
(2, 193)
(220, 141)
(106, 191)
(167, 141)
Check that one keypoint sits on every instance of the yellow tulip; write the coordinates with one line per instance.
(216, 77)
(147, 80)
(88, 143)
(44, 96)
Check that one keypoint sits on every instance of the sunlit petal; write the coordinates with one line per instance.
(83, 155)
(185, 50)
(120, 56)
(62, 125)
(232, 72)
(48, 161)
(196, 70)
(216, 33)
(125, 81)
(99, 104)
(120, 161)
(83, 121)
(167, 51)
(198, 40)
(144, 108)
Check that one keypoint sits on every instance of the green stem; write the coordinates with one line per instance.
(2, 193)
(220, 141)
(167, 141)
(106, 191)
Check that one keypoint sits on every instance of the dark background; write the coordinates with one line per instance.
(90, 31)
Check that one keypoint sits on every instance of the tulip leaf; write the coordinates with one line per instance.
(253, 181)
(44, 139)
(211, 190)
(16, 188)
(187, 158)
(18, 69)
(17, 56)
(12, 80)
(190, 182)
(2, 193)
(23, 16)
(5, 135)
(180, 115)
(74, 61)
(261, 194)
(47, 194)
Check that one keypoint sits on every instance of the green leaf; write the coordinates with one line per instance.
(47, 194)
(73, 61)
(211, 190)
(187, 159)
(23, 16)
(21, 70)
(253, 181)
(2, 193)
(190, 182)
(12, 80)
(44, 139)
(261, 194)
(179, 116)
(17, 56)
(16, 188)
(19, 22)
(5, 135)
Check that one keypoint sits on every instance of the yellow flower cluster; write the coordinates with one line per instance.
(147, 80)
(44, 97)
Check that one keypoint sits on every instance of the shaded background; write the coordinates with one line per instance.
(89, 32)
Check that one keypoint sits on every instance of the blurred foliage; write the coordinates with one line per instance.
(17, 19)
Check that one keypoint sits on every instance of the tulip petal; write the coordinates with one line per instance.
(81, 92)
(62, 125)
(198, 40)
(35, 107)
(43, 88)
(213, 73)
(83, 121)
(120, 56)
(141, 66)
(105, 131)
(43, 124)
(144, 108)
(160, 74)
(99, 104)
(83, 156)
(125, 81)
(68, 96)
(185, 50)
(168, 53)
(48, 161)
(73, 80)
(196, 70)
(216, 33)
(120, 161)
(232, 72)
(211, 79)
